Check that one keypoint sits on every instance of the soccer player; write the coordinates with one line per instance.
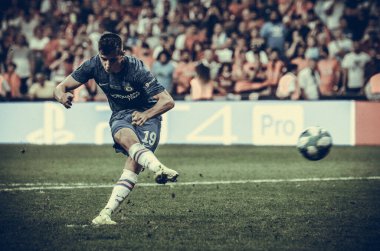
(137, 100)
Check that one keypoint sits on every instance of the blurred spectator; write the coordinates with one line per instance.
(312, 50)
(111, 21)
(196, 12)
(353, 65)
(225, 80)
(30, 20)
(293, 44)
(21, 55)
(373, 66)
(56, 43)
(371, 36)
(322, 34)
(42, 89)
(61, 66)
(79, 56)
(225, 55)
(144, 54)
(356, 13)
(273, 71)
(330, 73)
(213, 33)
(85, 92)
(249, 76)
(197, 51)
(274, 32)
(213, 16)
(167, 43)
(39, 40)
(164, 8)
(257, 48)
(296, 22)
(192, 35)
(257, 42)
(340, 45)
(181, 37)
(13, 80)
(308, 80)
(5, 89)
(237, 65)
(94, 37)
(219, 39)
(256, 20)
(183, 73)
(208, 60)
(372, 89)
(330, 12)
(236, 7)
(6, 42)
(288, 85)
(240, 45)
(202, 87)
(347, 32)
(37, 44)
(151, 38)
(300, 59)
(163, 69)
(93, 24)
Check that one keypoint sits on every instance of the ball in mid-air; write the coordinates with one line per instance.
(314, 143)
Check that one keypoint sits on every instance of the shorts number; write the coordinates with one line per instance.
(149, 138)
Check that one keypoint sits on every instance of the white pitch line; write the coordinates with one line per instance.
(60, 186)
(76, 226)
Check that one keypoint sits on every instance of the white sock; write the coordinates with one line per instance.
(144, 157)
(121, 190)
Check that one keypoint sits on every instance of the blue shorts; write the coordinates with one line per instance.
(148, 133)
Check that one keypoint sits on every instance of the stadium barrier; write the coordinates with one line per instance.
(244, 122)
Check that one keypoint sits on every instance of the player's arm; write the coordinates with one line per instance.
(62, 92)
(81, 75)
(164, 103)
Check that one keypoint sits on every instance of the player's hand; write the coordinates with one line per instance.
(139, 118)
(67, 99)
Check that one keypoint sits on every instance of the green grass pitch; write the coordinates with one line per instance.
(271, 215)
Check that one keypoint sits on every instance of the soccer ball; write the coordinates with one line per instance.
(314, 143)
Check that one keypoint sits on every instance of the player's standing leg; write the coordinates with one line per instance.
(121, 190)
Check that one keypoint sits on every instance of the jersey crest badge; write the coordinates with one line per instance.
(128, 87)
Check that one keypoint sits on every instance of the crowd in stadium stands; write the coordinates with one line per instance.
(201, 49)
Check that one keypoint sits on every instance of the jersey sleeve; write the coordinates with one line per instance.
(84, 72)
(145, 78)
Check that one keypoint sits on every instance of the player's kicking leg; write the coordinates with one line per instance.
(120, 191)
(139, 157)
(145, 157)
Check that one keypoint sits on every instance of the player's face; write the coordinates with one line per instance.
(111, 62)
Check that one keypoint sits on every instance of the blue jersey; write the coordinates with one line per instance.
(130, 89)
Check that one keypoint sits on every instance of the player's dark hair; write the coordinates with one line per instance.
(110, 43)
